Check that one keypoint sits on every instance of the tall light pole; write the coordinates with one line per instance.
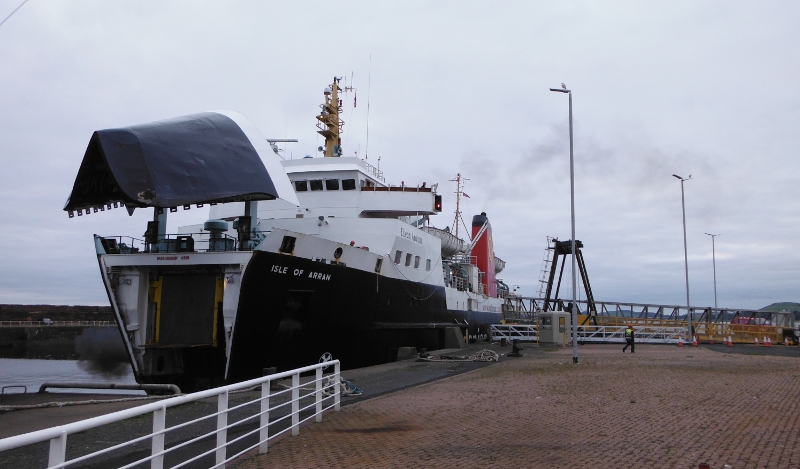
(686, 256)
(564, 89)
(714, 263)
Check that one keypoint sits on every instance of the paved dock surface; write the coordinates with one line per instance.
(663, 407)
(14, 420)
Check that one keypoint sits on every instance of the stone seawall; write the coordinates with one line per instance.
(51, 342)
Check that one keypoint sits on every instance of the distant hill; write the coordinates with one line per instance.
(785, 306)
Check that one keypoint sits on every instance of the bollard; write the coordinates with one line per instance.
(503, 341)
(515, 349)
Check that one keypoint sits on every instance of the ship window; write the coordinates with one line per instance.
(332, 184)
(348, 184)
(378, 265)
(416, 262)
(427, 264)
(397, 256)
(301, 186)
(316, 184)
(287, 245)
(408, 259)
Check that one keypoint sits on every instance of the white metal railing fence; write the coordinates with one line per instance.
(322, 394)
(521, 332)
(54, 323)
(616, 334)
(595, 334)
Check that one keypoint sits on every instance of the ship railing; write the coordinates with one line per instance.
(377, 173)
(173, 243)
(55, 323)
(464, 259)
(290, 410)
(459, 283)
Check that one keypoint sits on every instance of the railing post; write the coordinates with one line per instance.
(222, 432)
(58, 450)
(263, 434)
(295, 404)
(159, 423)
(318, 394)
(337, 395)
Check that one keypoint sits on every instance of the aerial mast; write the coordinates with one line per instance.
(330, 125)
(459, 191)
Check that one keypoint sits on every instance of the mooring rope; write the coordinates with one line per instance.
(482, 356)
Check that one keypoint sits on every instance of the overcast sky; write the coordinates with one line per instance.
(709, 89)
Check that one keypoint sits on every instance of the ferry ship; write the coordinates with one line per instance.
(299, 259)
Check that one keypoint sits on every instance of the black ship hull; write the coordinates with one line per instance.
(292, 310)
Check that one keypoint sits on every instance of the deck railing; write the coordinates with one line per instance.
(324, 396)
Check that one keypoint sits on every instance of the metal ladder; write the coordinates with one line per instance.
(546, 264)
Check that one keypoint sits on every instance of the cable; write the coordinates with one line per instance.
(404, 287)
(12, 13)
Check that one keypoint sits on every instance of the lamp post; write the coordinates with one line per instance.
(714, 263)
(574, 316)
(686, 256)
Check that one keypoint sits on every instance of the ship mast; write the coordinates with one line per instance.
(330, 125)
(459, 192)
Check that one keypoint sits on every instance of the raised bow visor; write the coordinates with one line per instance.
(210, 157)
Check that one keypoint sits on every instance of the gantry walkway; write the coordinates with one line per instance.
(659, 323)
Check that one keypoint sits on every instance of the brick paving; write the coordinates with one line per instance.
(664, 407)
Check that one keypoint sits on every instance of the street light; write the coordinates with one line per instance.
(714, 263)
(564, 89)
(686, 256)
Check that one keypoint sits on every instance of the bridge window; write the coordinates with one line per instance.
(408, 259)
(397, 256)
(316, 184)
(301, 186)
(348, 184)
(427, 264)
(332, 184)
(416, 262)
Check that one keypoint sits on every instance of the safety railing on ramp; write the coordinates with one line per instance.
(324, 395)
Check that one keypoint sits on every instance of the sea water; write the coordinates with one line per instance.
(33, 373)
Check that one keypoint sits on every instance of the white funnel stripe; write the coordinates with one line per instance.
(274, 167)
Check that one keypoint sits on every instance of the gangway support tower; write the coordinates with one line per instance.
(561, 249)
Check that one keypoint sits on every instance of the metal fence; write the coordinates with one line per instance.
(593, 334)
(55, 323)
(616, 334)
(521, 332)
(325, 390)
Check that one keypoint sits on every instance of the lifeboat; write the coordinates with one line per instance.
(451, 245)
(499, 265)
